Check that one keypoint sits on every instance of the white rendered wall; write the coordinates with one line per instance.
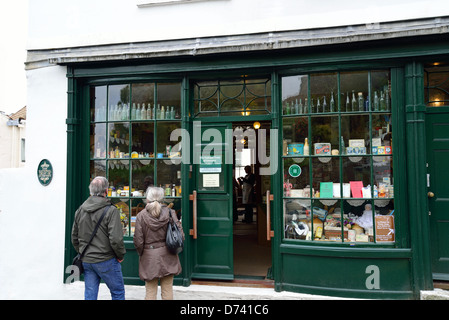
(55, 23)
(32, 217)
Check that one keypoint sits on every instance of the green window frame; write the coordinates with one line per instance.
(346, 119)
(130, 145)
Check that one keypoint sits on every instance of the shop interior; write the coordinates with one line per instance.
(252, 251)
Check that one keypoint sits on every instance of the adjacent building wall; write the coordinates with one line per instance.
(32, 217)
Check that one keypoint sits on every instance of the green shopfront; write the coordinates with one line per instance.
(349, 155)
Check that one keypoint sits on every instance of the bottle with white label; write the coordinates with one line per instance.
(306, 147)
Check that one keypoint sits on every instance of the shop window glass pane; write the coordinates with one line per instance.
(356, 169)
(323, 90)
(327, 221)
(169, 177)
(98, 140)
(381, 134)
(297, 219)
(324, 135)
(383, 176)
(355, 134)
(118, 101)
(295, 95)
(169, 97)
(142, 101)
(142, 142)
(326, 172)
(175, 204)
(97, 168)
(354, 89)
(436, 85)
(164, 143)
(119, 177)
(98, 103)
(142, 176)
(118, 140)
(358, 218)
(296, 185)
(258, 96)
(137, 205)
(123, 207)
(206, 98)
(380, 90)
(295, 132)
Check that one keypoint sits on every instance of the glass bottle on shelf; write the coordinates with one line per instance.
(325, 105)
(167, 113)
(382, 101)
(353, 102)
(301, 107)
(133, 112)
(158, 112)
(149, 115)
(296, 107)
(312, 107)
(332, 102)
(306, 106)
(360, 101)
(318, 105)
(138, 112)
(347, 105)
(387, 99)
(144, 112)
(376, 101)
(306, 147)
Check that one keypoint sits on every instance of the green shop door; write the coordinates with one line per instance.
(437, 131)
(212, 241)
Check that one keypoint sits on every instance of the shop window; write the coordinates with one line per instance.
(337, 157)
(436, 84)
(239, 97)
(130, 127)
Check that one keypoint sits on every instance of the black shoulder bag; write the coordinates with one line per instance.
(173, 241)
(77, 261)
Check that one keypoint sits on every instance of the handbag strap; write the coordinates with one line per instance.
(95, 230)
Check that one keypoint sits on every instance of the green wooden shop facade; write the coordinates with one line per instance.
(370, 118)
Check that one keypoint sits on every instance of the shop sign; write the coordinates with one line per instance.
(385, 228)
(45, 172)
(210, 164)
(294, 170)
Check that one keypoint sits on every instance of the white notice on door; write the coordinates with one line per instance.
(211, 180)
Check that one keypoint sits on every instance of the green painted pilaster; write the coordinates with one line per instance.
(73, 151)
(416, 168)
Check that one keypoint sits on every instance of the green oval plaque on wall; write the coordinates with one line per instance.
(45, 172)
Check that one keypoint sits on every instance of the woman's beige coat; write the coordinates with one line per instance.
(149, 239)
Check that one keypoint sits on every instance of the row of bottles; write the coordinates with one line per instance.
(121, 112)
(354, 104)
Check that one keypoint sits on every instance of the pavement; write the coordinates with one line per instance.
(75, 291)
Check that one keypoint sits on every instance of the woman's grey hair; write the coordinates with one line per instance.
(98, 186)
(155, 196)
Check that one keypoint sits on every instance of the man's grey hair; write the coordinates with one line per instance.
(98, 186)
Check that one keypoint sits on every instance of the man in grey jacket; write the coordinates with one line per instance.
(104, 254)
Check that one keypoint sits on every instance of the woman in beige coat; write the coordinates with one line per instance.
(156, 262)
